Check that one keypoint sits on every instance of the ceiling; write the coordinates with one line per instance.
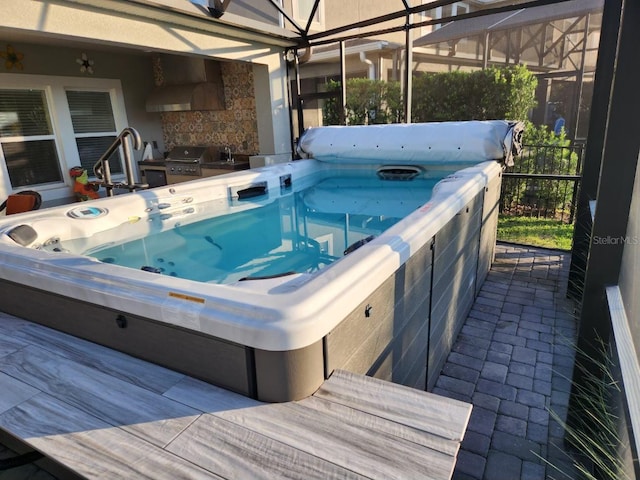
(197, 11)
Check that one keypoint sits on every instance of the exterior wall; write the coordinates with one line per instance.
(44, 64)
(148, 33)
(258, 10)
(618, 405)
(358, 10)
(629, 281)
(629, 285)
(133, 69)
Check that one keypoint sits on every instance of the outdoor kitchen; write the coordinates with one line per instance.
(186, 162)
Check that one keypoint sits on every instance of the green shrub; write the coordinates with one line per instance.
(368, 102)
(544, 152)
(490, 94)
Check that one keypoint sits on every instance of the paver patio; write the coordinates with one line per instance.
(513, 360)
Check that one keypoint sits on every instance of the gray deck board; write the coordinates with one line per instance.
(91, 447)
(374, 423)
(139, 372)
(441, 416)
(118, 403)
(206, 397)
(104, 415)
(379, 454)
(14, 392)
(237, 451)
(9, 345)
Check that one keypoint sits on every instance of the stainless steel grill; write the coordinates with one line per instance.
(185, 160)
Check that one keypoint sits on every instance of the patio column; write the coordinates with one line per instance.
(408, 69)
(272, 111)
(596, 137)
(619, 155)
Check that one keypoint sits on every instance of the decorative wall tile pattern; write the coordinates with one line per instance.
(158, 75)
(235, 126)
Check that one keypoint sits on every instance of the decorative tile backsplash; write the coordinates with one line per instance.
(235, 126)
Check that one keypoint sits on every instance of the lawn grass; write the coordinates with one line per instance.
(540, 232)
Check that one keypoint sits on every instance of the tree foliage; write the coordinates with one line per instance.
(368, 102)
(490, 94)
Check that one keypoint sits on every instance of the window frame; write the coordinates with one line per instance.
(113, 133)
(31, 138)
(454, 11)
(64, 136)
(295, 6)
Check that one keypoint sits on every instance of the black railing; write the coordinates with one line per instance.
(544, 182)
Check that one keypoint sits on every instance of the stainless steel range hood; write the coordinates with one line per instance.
(189, 84)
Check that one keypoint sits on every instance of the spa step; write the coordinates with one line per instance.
(97, 413)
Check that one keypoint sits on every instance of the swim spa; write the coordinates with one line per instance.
(265, 281)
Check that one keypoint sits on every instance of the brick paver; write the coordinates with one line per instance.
(513, 360)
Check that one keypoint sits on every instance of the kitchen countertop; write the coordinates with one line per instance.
(238, 164)
(241, 162)
(152, 163)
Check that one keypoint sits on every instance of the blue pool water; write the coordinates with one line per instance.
(300, 231)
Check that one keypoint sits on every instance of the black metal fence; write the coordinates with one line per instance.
(544, 182)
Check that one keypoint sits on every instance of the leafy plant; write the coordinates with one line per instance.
(490, 94)
(595, 438)
(493, 93)
(546, 153)
(368, 102)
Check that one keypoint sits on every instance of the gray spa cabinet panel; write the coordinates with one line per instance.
(403, 360)
(374, 338)
(451, 303)
(458, 256)
(454, 282)
(389, 355)
(288, 375)
(455, 236)
(489, 231)
(207, 358)
(446, 324)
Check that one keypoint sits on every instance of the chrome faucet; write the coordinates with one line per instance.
(227, 153)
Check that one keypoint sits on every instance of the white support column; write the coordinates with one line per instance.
(274, 124)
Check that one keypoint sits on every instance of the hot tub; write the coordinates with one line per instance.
(368, 292)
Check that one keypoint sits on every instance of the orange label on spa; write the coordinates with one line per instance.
(189, 298)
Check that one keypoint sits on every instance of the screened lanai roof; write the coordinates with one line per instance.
(269, 20)
(468, 27)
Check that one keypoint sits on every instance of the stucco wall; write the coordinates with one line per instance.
(170, 32)
(630, 269)
(134, 72)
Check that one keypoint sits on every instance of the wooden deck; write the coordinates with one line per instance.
(102, 414)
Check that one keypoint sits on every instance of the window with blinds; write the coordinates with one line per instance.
(94, 127)
(27, 138)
